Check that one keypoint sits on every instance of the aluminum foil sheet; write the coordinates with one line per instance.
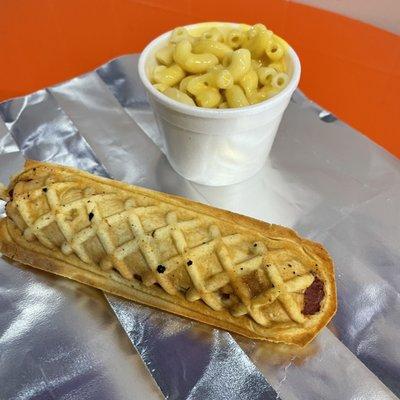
(59, 339)
(222, 368)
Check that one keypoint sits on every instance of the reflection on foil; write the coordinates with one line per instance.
(44, 132)
(189, 360)
(326, 180)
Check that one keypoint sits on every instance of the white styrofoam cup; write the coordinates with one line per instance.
(216, 146)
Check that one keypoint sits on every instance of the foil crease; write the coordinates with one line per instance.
(324, 179)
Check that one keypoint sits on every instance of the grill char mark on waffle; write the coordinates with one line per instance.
(208, 288)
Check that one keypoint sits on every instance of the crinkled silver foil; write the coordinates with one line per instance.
(214, 367)
(324, 179)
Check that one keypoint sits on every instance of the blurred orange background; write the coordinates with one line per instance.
(349, 68)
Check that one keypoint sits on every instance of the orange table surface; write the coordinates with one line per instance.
(348, 67)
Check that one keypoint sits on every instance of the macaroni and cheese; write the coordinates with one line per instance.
(221, 67)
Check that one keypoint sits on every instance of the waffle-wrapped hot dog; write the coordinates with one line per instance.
(227, 270)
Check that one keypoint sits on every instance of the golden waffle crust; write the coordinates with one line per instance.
(207, 264)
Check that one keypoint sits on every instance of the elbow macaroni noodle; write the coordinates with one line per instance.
(165, 56)
(168, 75)
(209, 97)
(235, 38)
(235, 97)
(238, 63)
(213, 47)
(190, 62)
(177, 95)
(221, 67)
(213, 34)
(249, 82)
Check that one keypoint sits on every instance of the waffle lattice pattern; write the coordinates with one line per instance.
(155, 242)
